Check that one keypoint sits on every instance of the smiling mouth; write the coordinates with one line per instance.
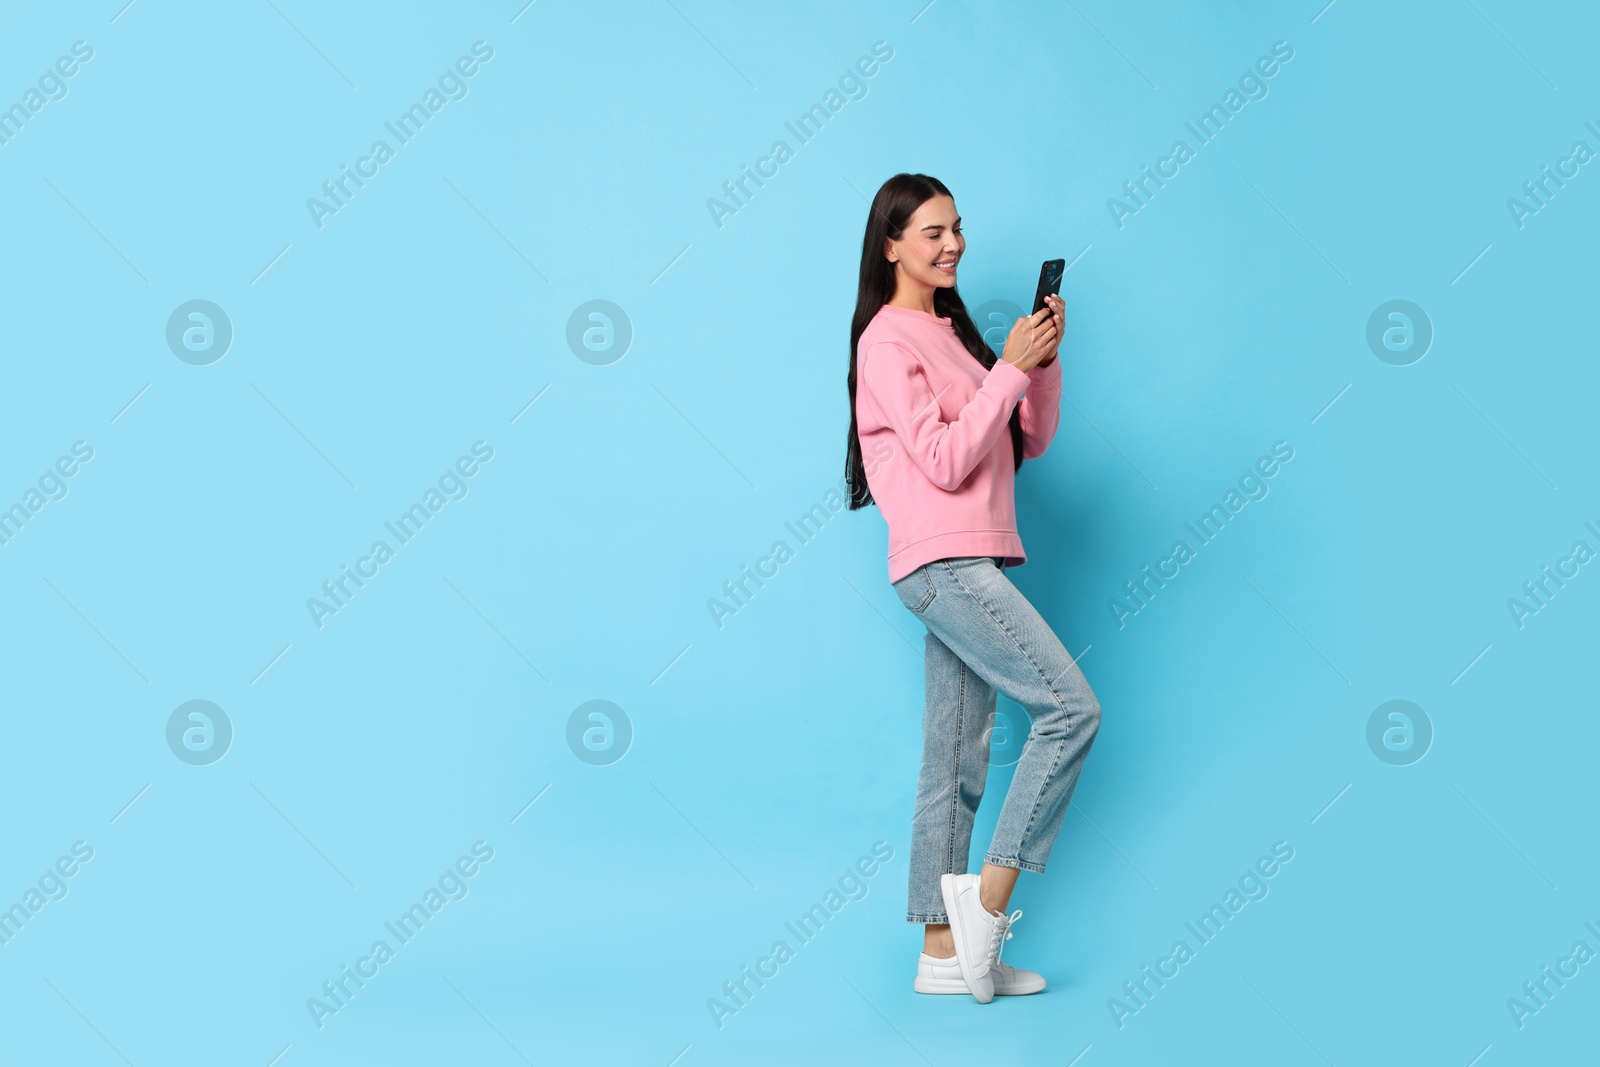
(948, 266)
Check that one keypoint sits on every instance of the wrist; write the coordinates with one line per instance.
(1021, 377)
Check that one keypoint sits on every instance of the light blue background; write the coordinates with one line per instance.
(770, 753)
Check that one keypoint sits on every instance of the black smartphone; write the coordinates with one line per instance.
(1049, 282)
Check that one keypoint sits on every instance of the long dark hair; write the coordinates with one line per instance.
(892, 208)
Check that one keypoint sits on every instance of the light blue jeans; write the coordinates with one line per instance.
(983, 638)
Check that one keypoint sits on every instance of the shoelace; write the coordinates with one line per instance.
(999, 934)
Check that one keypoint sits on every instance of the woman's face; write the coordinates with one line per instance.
(931, 247)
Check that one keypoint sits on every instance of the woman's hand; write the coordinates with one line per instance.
(1033, 339)
(1060, 308)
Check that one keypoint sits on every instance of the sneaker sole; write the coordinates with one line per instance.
(944, 986)
(939, 985)
(958, 929)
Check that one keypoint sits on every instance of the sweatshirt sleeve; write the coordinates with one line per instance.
(945, 452)
(1041, 409)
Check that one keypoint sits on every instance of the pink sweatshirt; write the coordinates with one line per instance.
(934, 439)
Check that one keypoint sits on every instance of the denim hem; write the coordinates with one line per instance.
(945, 919)
(1037, 868)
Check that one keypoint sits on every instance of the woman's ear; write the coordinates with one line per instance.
(888, 250)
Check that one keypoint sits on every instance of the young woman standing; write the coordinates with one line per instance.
(947, 425)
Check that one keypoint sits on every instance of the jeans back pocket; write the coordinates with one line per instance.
(916, 589)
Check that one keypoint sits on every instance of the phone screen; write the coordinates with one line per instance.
(1049, 282)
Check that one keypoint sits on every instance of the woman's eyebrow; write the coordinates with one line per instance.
(940, 225)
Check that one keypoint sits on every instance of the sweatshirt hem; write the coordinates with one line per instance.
(958, 543)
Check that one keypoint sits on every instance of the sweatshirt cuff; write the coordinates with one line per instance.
(1015, 382)
(1047, 377)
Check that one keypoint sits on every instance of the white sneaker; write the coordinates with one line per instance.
(977, 932)
(936, 975)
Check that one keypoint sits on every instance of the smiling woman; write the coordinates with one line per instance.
(960, 422)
